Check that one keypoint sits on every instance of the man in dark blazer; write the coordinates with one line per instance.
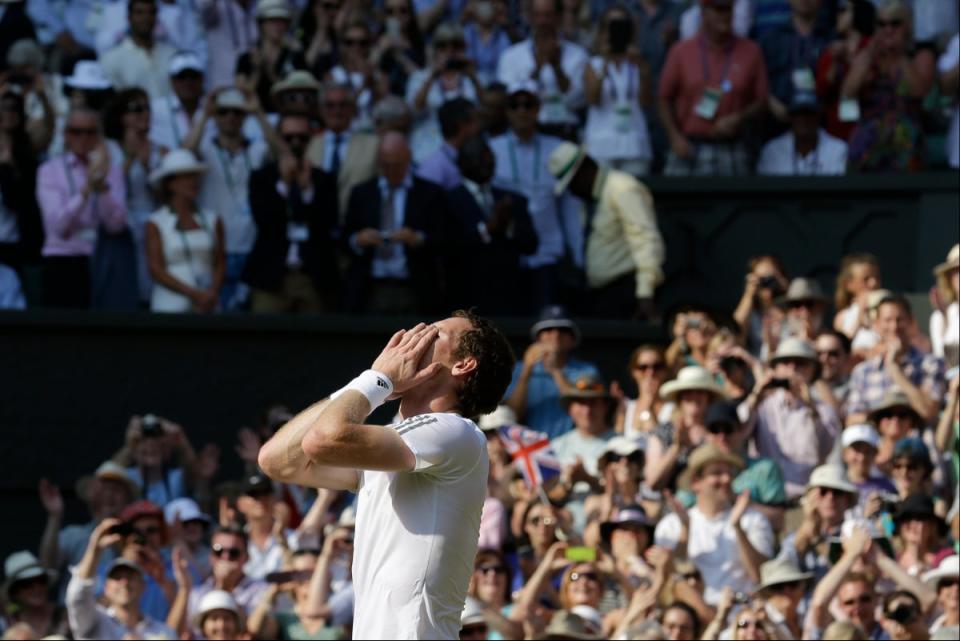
(293, 264)
(394, 230)
(490, 229)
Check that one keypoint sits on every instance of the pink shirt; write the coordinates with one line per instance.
(69, 220)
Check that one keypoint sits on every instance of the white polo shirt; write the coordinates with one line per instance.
(780, 158)
(128, 65)
(417, 532)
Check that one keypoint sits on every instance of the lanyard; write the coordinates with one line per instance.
(173, 121)
(724, 83)
(227, 165)
(515, 166)
(631, 83)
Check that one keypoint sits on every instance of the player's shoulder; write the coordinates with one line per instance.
(443, 420)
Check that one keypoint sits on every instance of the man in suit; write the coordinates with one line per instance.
(394, 229)
(351, 156)
(490, 229)
(293, 265)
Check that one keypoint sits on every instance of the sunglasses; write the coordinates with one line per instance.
(828, 353)
(82, 131)
(636, 457)
(690, 576)
(302, 97)
(722, 428)
(220, 551)
(649, 367)
(806, 304)
(138, 108)
(828, 491)
(748, 623)
(881, 24)
(236, 113)
(522, 105)
(537, 520)
(901, 414)
(796, 362)
(351, 42)
(589, 576)
(294, 139)
(496, 569)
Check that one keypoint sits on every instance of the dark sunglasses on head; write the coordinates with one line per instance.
(496, 569)
(237, 113)
(590, 576)
(220, 551)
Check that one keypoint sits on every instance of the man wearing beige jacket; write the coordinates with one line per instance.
(624, 249)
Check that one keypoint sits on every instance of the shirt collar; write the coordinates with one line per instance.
(600, 182)
(407, 183)
(330, 135)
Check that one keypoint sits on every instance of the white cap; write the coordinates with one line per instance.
(861, 433)
(184, 61)
(88, 74)
(231, 99)
(216, 600)
(590, 615)
(524, 85)
(177, 161)
(184, 508)
(267, 9)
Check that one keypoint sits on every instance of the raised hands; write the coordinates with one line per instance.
(51, 498)
(402, 359)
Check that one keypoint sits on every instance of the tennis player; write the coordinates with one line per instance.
(421, 482)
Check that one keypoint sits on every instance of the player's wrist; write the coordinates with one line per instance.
(375, 386)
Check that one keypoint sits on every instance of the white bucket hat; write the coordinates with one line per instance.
(298, 80)
(269, 9)
(861, 433)
(231, 98)
(185, 509)
(780, 571)
(88, 74)
(692, 377)
(833, 477)
(949, 568)
(564, 163)
(21, 566)
(217, 600)
(178, 161)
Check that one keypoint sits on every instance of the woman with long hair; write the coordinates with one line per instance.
(858, 276)
(490, 584)
(765, 281)
(318, 33)
(21, 232)
(275, 55)
(648, 368)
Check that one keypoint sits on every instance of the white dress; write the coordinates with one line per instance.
(188, 255)
(616, 130)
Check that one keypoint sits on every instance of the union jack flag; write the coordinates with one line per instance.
(531, 452)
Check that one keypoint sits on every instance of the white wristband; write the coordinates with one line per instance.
(374, 385)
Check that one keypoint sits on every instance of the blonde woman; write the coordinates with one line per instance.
(945, 322)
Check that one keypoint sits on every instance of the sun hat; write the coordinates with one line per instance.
(833, 477)
(184, 61)
(22, 566)
(110, 471)
(231, 98)
(893, 398)
(272, 9)
(186, 509)
(703, 456)
(860, 433)
(472, 613)
(564, 163)
(216, 600)
(952, 262)
(448, 32)
(794, 348)
(89, 75)
(780, 571)
(620, 445)
(692, 377)
(917, 506)
(176, 162)
(553, 316)
(496, 419)
(567, 625)
(949, 568)
(297, 80)
(524, 85)
(801, 289)
(586, 386)
(627, 515)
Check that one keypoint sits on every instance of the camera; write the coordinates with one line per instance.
(150, 426)
(769, 282)
(779, 382)
(456, 64)
(904, 614)
(741, 597)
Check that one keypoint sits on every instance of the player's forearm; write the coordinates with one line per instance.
(282, 457)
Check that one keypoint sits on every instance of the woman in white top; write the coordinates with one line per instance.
(185, 250)
(945, 324)
(617, 85)
(859, 275)
(637, 417)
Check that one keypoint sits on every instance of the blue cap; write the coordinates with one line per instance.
(914, 449)
(804, 101)
(554, 316)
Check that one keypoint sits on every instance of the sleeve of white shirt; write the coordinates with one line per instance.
(444, 445)
(508, 68)
(575, 60)
(667, 533)
(759, 532)
(82, 611)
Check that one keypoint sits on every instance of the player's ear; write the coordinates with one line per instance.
(464, 366)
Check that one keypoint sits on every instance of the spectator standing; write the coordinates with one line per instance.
(400, 52)
(859, 275)
(273, 57)
(178, 24)
(140, 60)
(791, 52)
(317, 34)
(944, 579)
(766, 281)
(173, 115)
(805, 150)
(945, 323)
(725, 539)
(895, 420)
(692, 19)
(804, 307)
(394, 229)
(949, 68)
(624, 250)
(547, 372)
(298, 94)
(693, 329)
(231, 29)
(78, 192)
(617, 87)
(554, 64)
(292, 266)
(658, 28)
(71, 28)
(185, 243)
(269, 541)
(712, 85)
(15, 24)
(349, 155)
(889, 82)
(458, 123)
(21, 233)
(492, 230)
(919, 530)
(486, 37)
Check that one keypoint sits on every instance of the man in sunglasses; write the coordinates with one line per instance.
(833, 351)
(228, 554)
(292, 266)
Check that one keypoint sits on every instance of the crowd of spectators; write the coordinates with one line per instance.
(777, 476)
(389, 156)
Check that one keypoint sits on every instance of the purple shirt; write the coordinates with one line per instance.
(69, 220)
(441, 167)
(870, 382)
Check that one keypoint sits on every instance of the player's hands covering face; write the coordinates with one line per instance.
(401, 359)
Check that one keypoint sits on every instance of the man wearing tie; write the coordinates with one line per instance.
(350, 156)
(394, 228)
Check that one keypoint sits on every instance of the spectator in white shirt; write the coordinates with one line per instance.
(178, 24)
(553, 63)
(173, 115)
(269, 541)
(805, 150)
(140, 60)
(726, 540)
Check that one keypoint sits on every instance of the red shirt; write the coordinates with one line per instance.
(685, 77)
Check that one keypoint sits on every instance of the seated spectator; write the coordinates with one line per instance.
(859, 275)
(273, 56)
(270, 541)
(949, 68)
(945, 322)
(140, 60)
(791, 52)
(693, 329)
(788, 424)
(490, 592)
(297, 94)
(357, 70)
(626, 535)
(185, 243)
(860, 445)
(806, 150)
(713, 84)
(766, 281)
(486, 37)
(394, 229)
(400, 50)
(491, 232)
(26, 591)
(854, 27)
(679, 621)
(783, 586)
(555, 65)
(228, 554)
(895, 419)
(648, 368)
(220, 617)
(189, 529)
(123, 588)
(546, 372)
(620, 471)
(351, 156)
(625, 252)
(292, 266)
(458, 123)
(945, 579)
(159, 459)
(726, 540)
(920, 531)
(617, 88)
(889, 82)
(918, 375)
(536, 536)
(833, 353)
(78, 193)
(911, 469)
(21, 233)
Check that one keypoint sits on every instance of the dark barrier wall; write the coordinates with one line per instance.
(70, 382)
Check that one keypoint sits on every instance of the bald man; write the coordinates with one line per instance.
(394, 230)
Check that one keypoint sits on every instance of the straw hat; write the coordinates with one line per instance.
(110, 471)
(564, 163)
(231, 98)
(780, 571)
(802, 289)
(692, 377)
(298, 80)
(833, 477)
(567, 625)
(585, 387)
(703, 456)
(176, 162)
(894, 398)
(952, 262)
(794, 347)
(949, 568)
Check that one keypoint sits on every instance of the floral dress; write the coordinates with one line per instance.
(888, 136)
